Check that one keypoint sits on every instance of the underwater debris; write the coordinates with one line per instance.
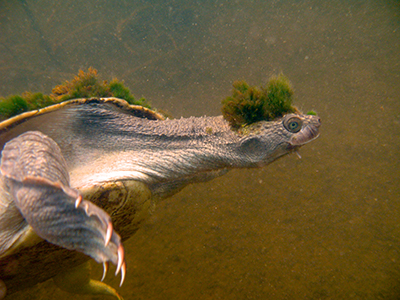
(250, 104)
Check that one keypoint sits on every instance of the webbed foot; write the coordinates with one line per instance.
(37, 176)
(77, 280)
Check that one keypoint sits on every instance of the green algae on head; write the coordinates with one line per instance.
(311, 113)
(250, 104)
(84, 85)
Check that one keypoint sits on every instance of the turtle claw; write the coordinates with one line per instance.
(109, 233)
(120, 268)
(121, 259)
(105, 269)
(78, 201)
(105, 244)
(123, 272)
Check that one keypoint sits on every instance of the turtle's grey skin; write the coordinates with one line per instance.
(71, 170)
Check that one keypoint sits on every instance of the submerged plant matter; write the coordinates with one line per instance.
(84, 85)
(250, 104)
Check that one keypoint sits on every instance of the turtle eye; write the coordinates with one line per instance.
(293, 124)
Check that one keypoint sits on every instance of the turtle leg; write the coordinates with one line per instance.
(36, 174)
(77, 280)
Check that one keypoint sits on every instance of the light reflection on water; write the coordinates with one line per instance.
(323, 227)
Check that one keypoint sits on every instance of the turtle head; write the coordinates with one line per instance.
(265, 141)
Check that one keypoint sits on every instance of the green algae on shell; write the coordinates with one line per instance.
(250, 104)
(88, 85)
(16, 104)
(83, 85)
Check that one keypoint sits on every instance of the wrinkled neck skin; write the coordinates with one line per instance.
(167, 155)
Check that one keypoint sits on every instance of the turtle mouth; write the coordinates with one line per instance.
(306, 135)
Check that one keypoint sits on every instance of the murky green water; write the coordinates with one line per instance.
(323, 227)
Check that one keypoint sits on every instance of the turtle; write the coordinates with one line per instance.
(80, 177)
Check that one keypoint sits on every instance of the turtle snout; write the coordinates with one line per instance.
(308, 133)
(314, 121)
(317, 122)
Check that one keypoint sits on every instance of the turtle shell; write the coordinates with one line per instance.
(128, 202)
(16, 123)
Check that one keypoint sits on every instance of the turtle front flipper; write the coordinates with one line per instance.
(36, 174)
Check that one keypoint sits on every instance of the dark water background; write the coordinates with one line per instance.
(323, 227)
